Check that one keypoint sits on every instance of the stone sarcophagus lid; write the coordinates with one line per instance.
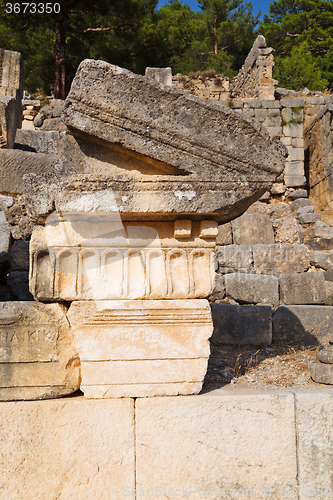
(147, 174)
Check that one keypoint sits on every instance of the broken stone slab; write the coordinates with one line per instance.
(320, 236)
(250, 229)
(300, 193)
(5, 202)
(252, 288)
(309, 218)
(37, 141)
(14, 164)
(305, 210)
(321, 373)
(303, 288)
(299, 202)
(281, 258)
(95, 256)
(241, 324)
(38, 359)
(8, 121)
(141, 348)
(11, 85)
(234, 258)
(302, 324)
(323, 260)
(176, 152)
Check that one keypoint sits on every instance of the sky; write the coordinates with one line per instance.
(262, 5)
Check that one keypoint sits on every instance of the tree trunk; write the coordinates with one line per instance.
(215, 44)
(60, 60)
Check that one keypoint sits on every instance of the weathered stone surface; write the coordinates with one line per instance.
(8, 121)
(5, 202)
(300, 202)
(219, 289)
(280, 258)
(314, 416)
(14, 164)
(67, 449)
(224, 236)
(321, 373)
(37, 141)
(95, 256)
(151, 344)
(38, 359)
(286, 230)
(234, 258)
(11, 90)
(305, 210)
(295, 180)
(97, 106)
(241, 325)
(160, 75)
(323, 260)
(320, 236)
(252, 288)
(309, 218)
(250, 229)
(326, 355)
(300, 193)
(304, 288)
(229, 442)
(18, 282)
(19, 257)
(302, 324)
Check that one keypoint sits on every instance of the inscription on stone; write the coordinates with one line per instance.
(27, 345)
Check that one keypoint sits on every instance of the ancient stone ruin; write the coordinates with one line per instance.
(141, 228)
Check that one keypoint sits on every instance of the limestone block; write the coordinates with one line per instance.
(300, 193)
(224, 236)
(304, 288)
(323, 260)
(286, 230)
(160, 75)
(302, 324)
(250, 229)
(39, 141)
(234, 258)
(252, 288)
(141, 348)
(308, 218)
(295, 154)
(19, 257)
(11, 85)
(321, 373)
(230, 442)
(314, 417)
(191, 170)
(8, 121)
(96, 256)
(320, 236)
(38, 359)
(299, 202)
(6, 202)
(280, 258)
(69, 449)
(241, 324)
(294, 168)
(305, 210)
(295, 180)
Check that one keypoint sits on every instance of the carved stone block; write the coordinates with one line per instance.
(38, 359)
(94, 256)
(138, 348)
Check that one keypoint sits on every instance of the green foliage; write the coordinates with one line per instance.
(307, 26)
(298, 70)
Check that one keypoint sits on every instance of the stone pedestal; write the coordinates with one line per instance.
(138, 348)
